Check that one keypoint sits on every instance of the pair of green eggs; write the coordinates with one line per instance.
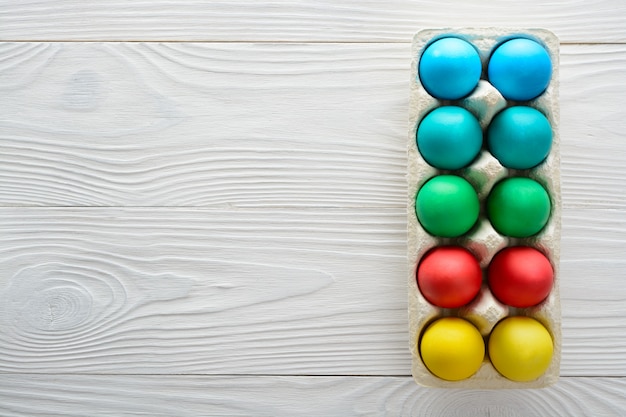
(448, 206)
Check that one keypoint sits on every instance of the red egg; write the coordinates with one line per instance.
(449, 276)
(520, 276)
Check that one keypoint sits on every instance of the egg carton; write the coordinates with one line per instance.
(485, 311)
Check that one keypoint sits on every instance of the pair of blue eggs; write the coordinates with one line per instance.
(519, 68)
(450, 137)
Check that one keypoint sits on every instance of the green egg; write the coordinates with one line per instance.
(447, 206)
(518, 207)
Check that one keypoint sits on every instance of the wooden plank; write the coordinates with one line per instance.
(186, 396)
(199, 124)
(313, 292)
(291, 20)
(593, 173)
(592, 293)
(255, 125)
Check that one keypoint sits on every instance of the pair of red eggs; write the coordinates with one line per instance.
(519, 276)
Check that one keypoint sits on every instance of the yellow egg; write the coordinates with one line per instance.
(452, 349)
(520, 348)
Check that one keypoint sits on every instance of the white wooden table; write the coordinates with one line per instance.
(203, 208)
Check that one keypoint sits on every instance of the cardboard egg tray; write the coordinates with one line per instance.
(485, 311)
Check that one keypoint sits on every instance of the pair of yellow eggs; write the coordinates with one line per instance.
(520, 348)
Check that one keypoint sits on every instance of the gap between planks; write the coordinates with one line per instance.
(261, 375)
(278, 41)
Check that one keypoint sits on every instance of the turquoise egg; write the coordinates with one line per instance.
(520, 69)
(449, 137)
(450, 68)
(520, 137)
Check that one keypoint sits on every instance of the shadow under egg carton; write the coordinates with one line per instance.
(485, 311)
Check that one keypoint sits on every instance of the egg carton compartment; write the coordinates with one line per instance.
(483, 241)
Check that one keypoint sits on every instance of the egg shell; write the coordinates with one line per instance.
(485, 311)
(520, 276)
(449, 68)
(521, 348)
(520, 69)
(449, 137)
(449, 276)
(518, 207)
(520, 137)
(452, 348)
(447, 206)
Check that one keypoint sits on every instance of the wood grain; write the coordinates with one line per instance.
(289, 258)
(195, 291)
(291, 20)
(255, 125)
(195, 124)
(308, 292)
(184, 396)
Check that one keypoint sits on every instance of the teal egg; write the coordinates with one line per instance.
(520, 137)
(449, 137)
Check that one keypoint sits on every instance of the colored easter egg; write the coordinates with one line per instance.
(518, 207)
(449, 137)
(520, 137)
(447, 206)
(450, 68)
(452, 349)
(520, 276)
(449, 276)
(520, 69)
(520, 348)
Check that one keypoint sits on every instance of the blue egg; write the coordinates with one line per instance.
(520, 137)
(449, 137)
(450, 68)
(520, 69)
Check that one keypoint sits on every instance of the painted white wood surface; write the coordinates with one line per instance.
(262, 231)
(186, 396)
(295, 20)
(256, 125)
